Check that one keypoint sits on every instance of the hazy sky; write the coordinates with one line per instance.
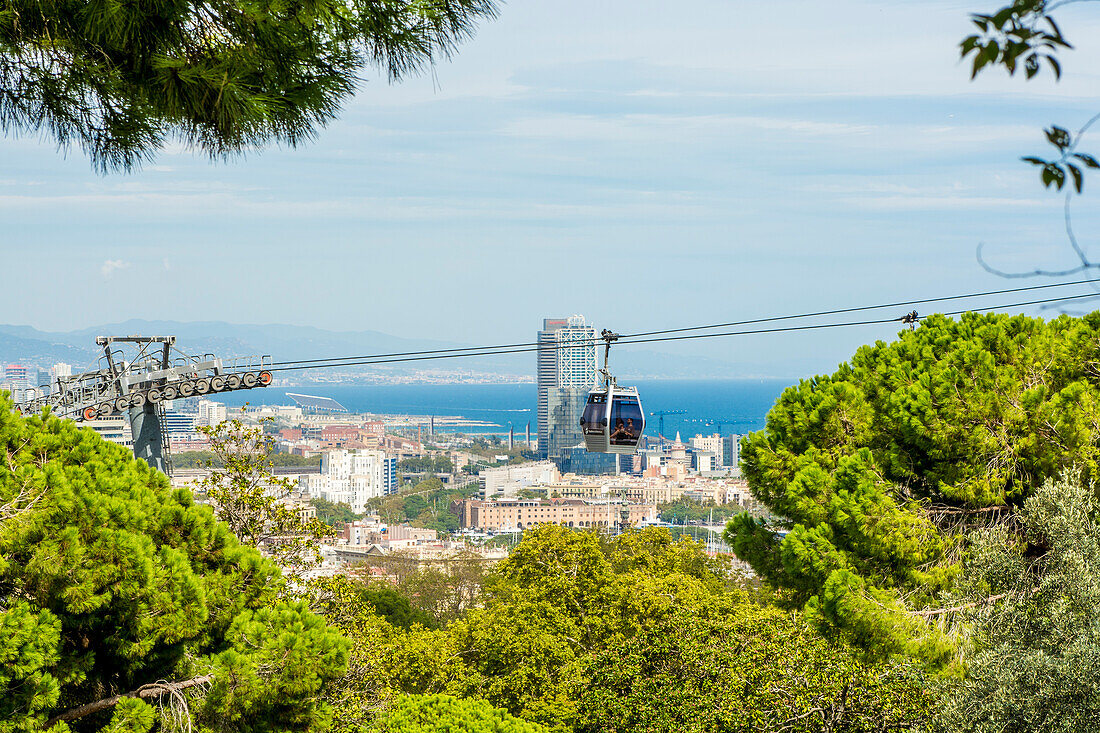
(647, 164)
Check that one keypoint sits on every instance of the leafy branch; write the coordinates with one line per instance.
(260, 508)
(1054, 171)
(1023, 30)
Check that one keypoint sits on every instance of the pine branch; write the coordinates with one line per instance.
(156, 689)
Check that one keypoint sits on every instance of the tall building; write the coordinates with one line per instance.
(16, 380)
(731, 453)
(60, 370)
(566, 372)
(710, 444)
(564, 407)
(352, 477)
(578, 460)
(115, 429)
(210, 413)
(177, 422)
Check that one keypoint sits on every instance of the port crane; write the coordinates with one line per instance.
(135, 376)
(661, 418)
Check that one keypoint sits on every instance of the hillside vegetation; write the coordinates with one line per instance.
(881, 469)
(932, 565)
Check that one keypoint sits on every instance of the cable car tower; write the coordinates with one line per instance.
(613, 420)
(135, 376)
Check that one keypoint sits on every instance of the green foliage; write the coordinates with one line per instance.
(209, 459)
(395, 607)
(123, 79)
(426, 464)
(425, 504)
(447, 714)
(29, 650)
(689, 510)
(1021, 32)
(1023, 35)
(443, 591)
(333, 514)
(110, 580)
(492, 447)
(356, 696)
(259, 507)
(742, 667)
(870, 468)
(132, 716)
(640, 632)
(1053, 172)
(1034, 651)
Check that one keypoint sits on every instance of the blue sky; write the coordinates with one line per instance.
(647, 164)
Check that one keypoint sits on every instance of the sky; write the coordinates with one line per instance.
(647, 164)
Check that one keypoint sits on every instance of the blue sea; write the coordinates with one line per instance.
(727, 405)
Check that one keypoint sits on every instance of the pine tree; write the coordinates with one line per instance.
(121, 79)
(118, 593)
(878, 471)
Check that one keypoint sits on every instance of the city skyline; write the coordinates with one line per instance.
(657, 175)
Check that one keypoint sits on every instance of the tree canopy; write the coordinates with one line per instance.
(445, 713)
(879, 469)
(122, 79)
(112, 584)
(1030, 599)
(641, 632)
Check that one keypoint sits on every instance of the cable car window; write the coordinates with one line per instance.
(595, 415)
(626, 421)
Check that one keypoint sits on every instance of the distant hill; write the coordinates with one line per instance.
(285, 343)
(40, 351)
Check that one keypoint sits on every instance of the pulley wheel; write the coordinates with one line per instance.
(170, 393)
(137, 399)
(155, 395)
(90, 413)
(202, 386)
(217, 384)
(105, 409)
(233, 381)
(187, 389)
(121, 403)
(249, 379)
(265, 378)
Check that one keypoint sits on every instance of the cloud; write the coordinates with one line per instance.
(109, 266)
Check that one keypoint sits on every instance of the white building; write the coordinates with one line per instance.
(60, 370)
(507, 480)
(352, 477)
(709, 444)
(210, 413)
(705, 461)
(113, 429)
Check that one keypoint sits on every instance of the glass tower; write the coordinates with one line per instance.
(566, 372)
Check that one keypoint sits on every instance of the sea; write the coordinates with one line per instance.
(727, 406)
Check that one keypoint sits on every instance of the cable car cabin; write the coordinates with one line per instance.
(613, 420)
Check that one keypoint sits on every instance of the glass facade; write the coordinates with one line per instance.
(568, 364)
(389, 475)
(565, 407)
(578, 460)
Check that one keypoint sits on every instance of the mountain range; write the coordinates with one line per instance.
(31, 346)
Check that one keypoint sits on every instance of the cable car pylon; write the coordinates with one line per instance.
(138, 378)
(613, 420)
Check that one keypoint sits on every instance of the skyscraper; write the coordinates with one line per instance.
(566, 372)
